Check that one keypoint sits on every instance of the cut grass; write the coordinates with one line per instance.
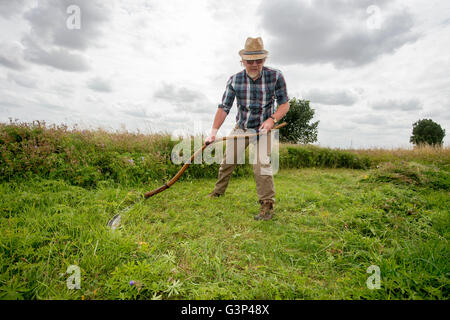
(331, 225)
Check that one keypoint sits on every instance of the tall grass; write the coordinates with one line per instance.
(83, 157)
(86, 157)
(425, 153)
(312, 156)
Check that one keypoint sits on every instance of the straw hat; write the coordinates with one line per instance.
(254, 49)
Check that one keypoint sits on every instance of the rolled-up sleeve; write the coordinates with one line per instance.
(228, 97)
(281, 90)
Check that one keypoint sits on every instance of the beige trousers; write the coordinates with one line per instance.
(259, 156)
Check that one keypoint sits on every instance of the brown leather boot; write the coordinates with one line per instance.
(267, 210)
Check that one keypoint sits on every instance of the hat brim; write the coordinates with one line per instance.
(245, 56)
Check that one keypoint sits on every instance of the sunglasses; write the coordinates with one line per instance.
(250, 62)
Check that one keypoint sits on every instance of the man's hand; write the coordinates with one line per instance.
(212, 136)
(210, 140)
(219, 118)
(267, 125)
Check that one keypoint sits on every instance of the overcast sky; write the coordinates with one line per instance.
(370, 68)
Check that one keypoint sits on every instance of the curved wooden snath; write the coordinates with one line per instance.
(115, 221)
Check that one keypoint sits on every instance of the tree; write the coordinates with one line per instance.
(426, 131)
(299, 130)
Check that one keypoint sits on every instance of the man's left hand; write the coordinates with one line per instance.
(267, 125)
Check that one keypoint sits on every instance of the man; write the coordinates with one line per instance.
(256, 87)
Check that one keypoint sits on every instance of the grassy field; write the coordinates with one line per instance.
(331, 225)
(339, 212)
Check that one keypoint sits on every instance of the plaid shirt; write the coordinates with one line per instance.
(255, 98)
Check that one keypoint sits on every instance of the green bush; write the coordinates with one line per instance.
(84, 158)
(311, 156)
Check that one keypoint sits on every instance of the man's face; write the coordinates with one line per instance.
(253, 67)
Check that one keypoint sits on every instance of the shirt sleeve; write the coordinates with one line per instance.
(228, 97)
(281, 90)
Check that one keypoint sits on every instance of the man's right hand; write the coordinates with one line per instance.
(212, 135)
(210, 140)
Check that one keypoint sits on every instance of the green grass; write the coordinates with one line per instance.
(331, 225)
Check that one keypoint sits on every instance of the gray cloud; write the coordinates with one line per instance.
(50, 42)
(332, 31)
(337, 97)
(64, 90)
(370, 119)
(137, 110)
(22, 80)
(9, 8)
(10, 104)
(400, 124)
(100, 85)
(407, 105)
(137, 113)
(59, 58)
(54, 107)
(184, 99)
(11, 56)
(49, 22)
(440, 111)
(383, 123)
(11, 63)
